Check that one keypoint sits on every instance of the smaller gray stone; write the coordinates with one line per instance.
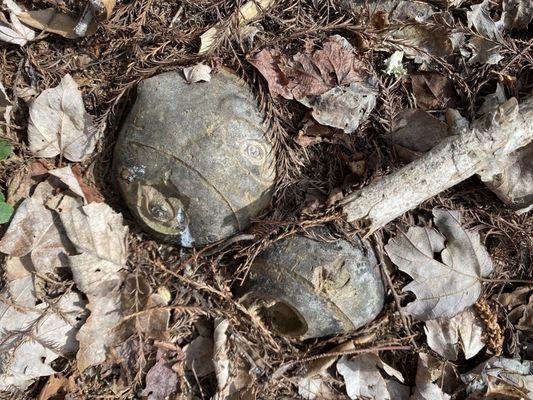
(307, 288)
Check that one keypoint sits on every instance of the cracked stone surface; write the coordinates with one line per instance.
(193, 161)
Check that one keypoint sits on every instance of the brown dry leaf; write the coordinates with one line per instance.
(422, 42)
(199, 356)
(14, 31)
(197, 73)
(248, 12)
(54, 21)
(519, 305)
(268, 62)
(91, 193)
(433, 90)
(517, 13)
(443, 335)
(57, 386)
(99, 236)
(415, 132)
(412, 11)
(32, 333)
(428, 372)
(37, 231)
(221, 360)
(442, 289)
(161, 380)
(363, 378)
(314, 74)
(59, 123)
(501, 378)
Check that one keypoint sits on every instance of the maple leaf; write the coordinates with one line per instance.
(442, 289)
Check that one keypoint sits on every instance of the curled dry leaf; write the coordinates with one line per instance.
(59, 123)
(443, 335)
(99, 236)
(269, 63)
(363, 378)
(14, 31)
(32, 333)
(394, 66)
(442, 289)
(500, 378)
(66, 176)
(220, 359)
(197, 73)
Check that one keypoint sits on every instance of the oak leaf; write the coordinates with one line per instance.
(442, 288)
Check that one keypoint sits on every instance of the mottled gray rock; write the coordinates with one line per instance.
(192, 160)
(306, 288)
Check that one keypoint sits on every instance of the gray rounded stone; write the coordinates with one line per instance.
(306, 288)
(192, 161)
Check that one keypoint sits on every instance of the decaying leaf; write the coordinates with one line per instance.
(479, 18)
(519, 305)
(59, 123)
(443, 289)
(418, 11)
(32, 333)
(500, 378)
(197, 73)
(345, 107)
(433, 90)
(363, 378)
(247, 13)
(99, 236)
(161, 380)
(517, 13)
(14, 31)
(446, 335)
(220, 359)
(426, 388)
(415, 132)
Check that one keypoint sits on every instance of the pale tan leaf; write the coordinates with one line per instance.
(100, 237)
(66, 176)
(14, 32)
(33, 335)
(443, 335)
(426, 388)
(443, 289)
(37, 230)
(197, 73)
(59, 123)
(363, 378)
(221, 360)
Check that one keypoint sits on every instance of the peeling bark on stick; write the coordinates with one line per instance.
(455, 159)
